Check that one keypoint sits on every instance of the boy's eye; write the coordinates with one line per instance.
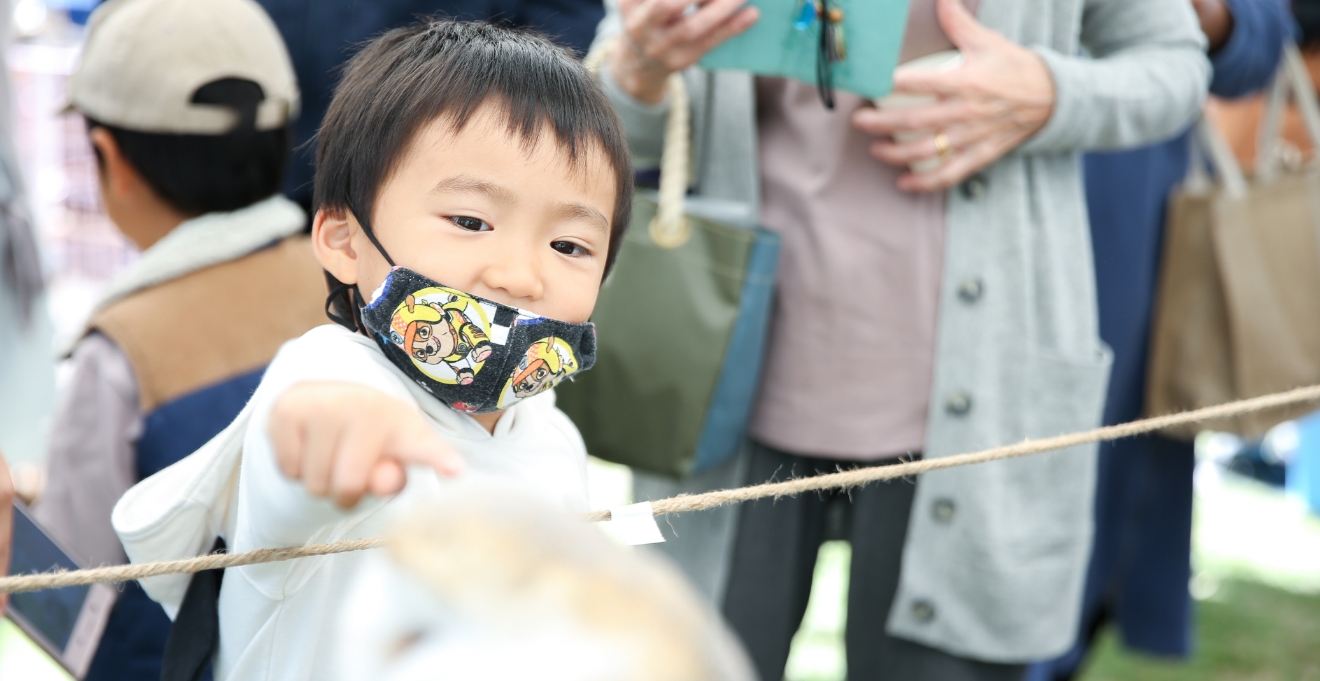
(471, 224)
(569, 248)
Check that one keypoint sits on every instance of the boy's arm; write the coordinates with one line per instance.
(325, 431)
(91, 457)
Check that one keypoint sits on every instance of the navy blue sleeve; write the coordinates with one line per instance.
(1247, 61)
(571, 23)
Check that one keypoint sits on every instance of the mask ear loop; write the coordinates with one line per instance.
(339, 289)
(371, 234)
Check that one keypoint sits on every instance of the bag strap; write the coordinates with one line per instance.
(1292, 76)
(195, 633)
(1209, 145)
(670, 227)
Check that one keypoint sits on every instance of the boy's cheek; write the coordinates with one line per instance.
(370, 276)
(588, 305)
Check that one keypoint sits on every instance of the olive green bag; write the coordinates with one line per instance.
(681, 326)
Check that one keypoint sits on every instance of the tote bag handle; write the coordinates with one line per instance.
(1208, 142)
(1292, 76)
(670, 228)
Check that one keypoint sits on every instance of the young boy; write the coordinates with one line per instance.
(461, 167)
(187, 104)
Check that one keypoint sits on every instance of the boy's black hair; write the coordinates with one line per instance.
(411, 76)
(198, 174)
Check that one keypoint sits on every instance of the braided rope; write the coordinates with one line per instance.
(691, 502)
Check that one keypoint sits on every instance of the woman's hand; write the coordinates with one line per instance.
(663, 36)
(344, 440)
(999, 96)
(1216, 21)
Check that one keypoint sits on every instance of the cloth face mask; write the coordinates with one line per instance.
(473, 354)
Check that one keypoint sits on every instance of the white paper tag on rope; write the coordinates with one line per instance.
(633, 525)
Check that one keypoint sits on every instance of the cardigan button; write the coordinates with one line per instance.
(958, 403)
(943, 510)
(975, 187)
(923, 612)
(970, 290)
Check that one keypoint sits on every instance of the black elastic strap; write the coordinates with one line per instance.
(195, 633)
(371, 234)
(349, 294)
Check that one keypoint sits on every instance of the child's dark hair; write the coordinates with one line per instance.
(411, 76)
(198, 174)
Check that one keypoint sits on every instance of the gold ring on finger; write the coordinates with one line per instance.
(943, 147)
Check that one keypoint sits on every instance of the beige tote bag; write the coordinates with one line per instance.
(1238, 307)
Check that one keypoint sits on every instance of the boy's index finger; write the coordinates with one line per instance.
(417, 444)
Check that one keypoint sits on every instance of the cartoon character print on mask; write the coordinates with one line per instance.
(445, 332)
(546, 362)
(473, 354)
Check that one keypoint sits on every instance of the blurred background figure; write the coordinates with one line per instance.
(27, 372)
(496, 587)
(1141, 561)
(323, 34)
(164, 362)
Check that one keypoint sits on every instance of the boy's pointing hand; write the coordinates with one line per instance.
(344, 440)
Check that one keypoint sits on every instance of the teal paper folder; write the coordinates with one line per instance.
(773, 46)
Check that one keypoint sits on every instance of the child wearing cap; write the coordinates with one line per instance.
(187, 103)
(472, 189)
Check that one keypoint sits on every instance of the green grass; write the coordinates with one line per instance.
(20, 658)
(1247, 631)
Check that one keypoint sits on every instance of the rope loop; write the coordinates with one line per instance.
(670, 228)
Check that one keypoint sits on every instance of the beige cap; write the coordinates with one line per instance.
(144, 59)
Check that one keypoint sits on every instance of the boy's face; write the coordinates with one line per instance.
(485, 212)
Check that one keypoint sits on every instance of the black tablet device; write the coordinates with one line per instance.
(66, 622)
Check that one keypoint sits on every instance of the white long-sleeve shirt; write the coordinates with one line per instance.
(275, 618)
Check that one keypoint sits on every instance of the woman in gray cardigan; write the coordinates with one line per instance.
(918, 313)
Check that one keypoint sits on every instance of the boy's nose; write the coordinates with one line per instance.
(517, 276)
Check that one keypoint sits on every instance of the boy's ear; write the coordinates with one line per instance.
(332, 241)
(119, 178)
